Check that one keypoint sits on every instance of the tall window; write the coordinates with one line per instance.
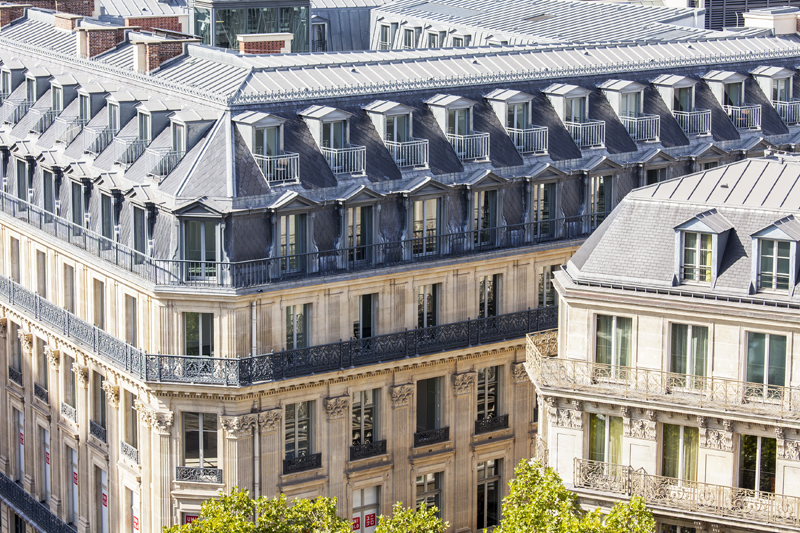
(48, 192)
(543, 197)
(656, 175)
(428, 404)
(484, 209)
(365, 509)
(144, 127)
(84, 108)
(44, 464)
(69, 288)
(600, 199)
(19, 437)
(198, 333)
(429, 491)
(782, 90)
(682, 99)
(334, 134)
(72, 479)
(398, 128)
(733, 94)
(488, 494)
(697, 256)
(614, 340)
(605, 438)
(293, 242)
(297, 438)
(364, 320)
(69, 382)
(679, 450)
(15, 260)
(30, 90)
(43, 370)
(106, 217)
(6, 81)
(139, 234)
(426, 226)
(364, 421)
(689, 352)
(200, 440)
(131, 321)
(517, 115)
(359, 233)
(488, 296)
(267, 141)
(99, 306)
(99, 400)
(179, 139)
(385, 41)
(459, 121)
(458, 42)
(77, 205)
(131, 435)
(427, 306)
(113, 118)
(57, 99)
(547, 292)
(576, 109)
(41, 274)
(757, 463)
(296, 326)
(15, 361)
(22, 180)
(630, 104)
(774, 264)
(488, 384)
(766, 360)
(408, 38)
(201, 248)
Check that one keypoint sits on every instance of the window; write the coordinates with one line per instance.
(697, 256)
(48, 190)
(484, 207)
(732, 94)
(69, 288)
(543, 197)
(459, 121)
(398, 128)
(488, 383)
(296, 326)
(267, 141)
(198, 333)
(19, 433)
(488, 494)
(22, 180)
(200, 440)
(6, 81)
(408, 38)
(43, 370)
(774, 264)
(113, 118)
(334, 134)
(428, 404)
(385, 40)
(655, 175)
(77, 207)
(201, 248)
(757, 463)
(547, 292)
(487, 296)
(427, 306)
(139, 234)
(70, 389)
(458, 42)
(517, 115)
(144, 127)
(57, 99)
(365, 509)
(433, 40)
(426, 226)
(766, 360)
(131, 428)
(99, 400)
(359, 233)
(41, 274)
(101, 490)
(30, 90)
(84, 108)
(599, 198)
(131, 322)
(365, 410)
(429, 491)
(179, 139)
(364, 321)
(605, 438)
(613, 340)
(782, 90)
(15, 260)
(19, 524)
(710, 165)
(320, 39)
(72, 479)
(682, 99)
(44, 462)
(106, 218)
(679, 450)
(575, 109)
(293, 242)
(297, 436)
(630, 104)
(99, 307)
(15, 361)
(689, 352)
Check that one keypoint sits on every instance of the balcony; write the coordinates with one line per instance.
(674, 495)
(198, 475)
(68, 128)
(350, 160)
(656, 386)
(69, 412)
(37, 514)
(97, 139)
(283, 168)
(472, 147)
(15, 375)
(409, 154)
(43, 119)
(789, 111)
(302, 464)
(370, 449)
(589, 134)
(494, 423)
(431, 436)
(161, 161)
(97, 431)
(747, 117)
(532, 140)
(643, 127)
(41, 393)
(129, 452)
(697, 122)
(14, 109)
(128, 149)
(384, 46)
(319, 45)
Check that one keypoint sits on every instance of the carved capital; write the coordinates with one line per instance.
(650, 415)
(270, 420)
(779, 434)
(336, 407)
(567, 418)
(52, 353)
(161, 422)
(112, 394)
(26, 341)
(625, 411)
(3, 327)
(401, 394)
(239, 426)
(519, 374)
(728, 425)
(462, 383)
(639, 428)
(701, 421)
(81, 374)
(789, 450)
(716, 439)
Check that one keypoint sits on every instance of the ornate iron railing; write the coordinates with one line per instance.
(30, 509)
(69, 412)
(67, 128)
(494, 423)
(588, 134)
(474, 146)
(161, 161)
(128, 149)
(198, 475)
(431, 436)
(14, 109)
(15, 375)
(789, 111)
(684, 495)
(697, 122)
(302, 463)
(531, 140)
(41, 393)
(97, 139)
(43, 118)
(643, 127)
(348, 160)
(659, 386)
(281, 168)
(746, 117)
(319, 45)
(128, 451)
(369, 449)
(409, 154)
(97, 431)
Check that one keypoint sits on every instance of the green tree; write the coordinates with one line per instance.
(422, 520)
(539, 502)
(238, 513)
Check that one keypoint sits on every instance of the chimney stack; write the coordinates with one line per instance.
(265, 43)
(11, 12)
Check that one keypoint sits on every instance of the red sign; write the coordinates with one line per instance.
(105, 500)
(357, 523)
(369, 520)
(21, 438)
(47, 457)
(136, 523)
(189, 518)
(75, 477)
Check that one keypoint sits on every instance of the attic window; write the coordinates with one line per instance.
(697, 257)
(774, 260)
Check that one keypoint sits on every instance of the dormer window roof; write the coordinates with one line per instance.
(622, 86)
(774, 264)
(324, 113)
(449, 101)
(127, 96)
(386, 107)
(158, 106)
(772, 72)
(509, 96)
(566, 91)
(258, 119)
(674, 81)
(724, 76)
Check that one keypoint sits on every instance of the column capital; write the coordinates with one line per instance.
(336, 407)
(112, 394)
(401, 394)
(270, 420)
(81, 374)
(462, 383)
(239, 426)
(519, 373)
(25, 340)
(52, 352)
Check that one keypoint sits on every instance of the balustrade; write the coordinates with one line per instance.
(128, 149)
(532, 140)
(789, 111)
(15, 375)
(41, 393)
(408, 154)
(37, 514)
(97, 139)
(198, 475)
(302, 463)
(747, 117)
(490, 424)
(369, 449)
(431, 436)
(470, 147)
(14, 109)
(350, 160)
(643, 127)
(69, 412)
(97, 431)
(589, 134)
(161, 161)
(279, 168)
(43, 119)
(128, 451)
(697, 122)
(68, 128)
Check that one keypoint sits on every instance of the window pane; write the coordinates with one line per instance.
(699, 350)
(768, 464)
(597, 437)
(748, 456)
(623, 332)
(777, 360)
(615, 439)
(691, 444)
(192, 333)
(756, 345)
(679, 359)
(604, 339)
(670, 462)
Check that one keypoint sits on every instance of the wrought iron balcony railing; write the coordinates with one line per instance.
(746, 117)
(198, 474)
(43, 118)
(494, 423)
(14, 109)
(588, 134)
(319, 45)
(41, 393)
(643, 127)
(97, 431)
(671, 388)
(369, 449)
(789, 111)
(384, 46)
(680, 495)
(69, 412)
(67, 128)
(15, 375)
(281, 168)
(350, 160)
(161, 161)
(128, 149)
(129, 452)
(97, 139)
(35, 513)
(531, 140)
(472, 147)
(409, 154)
(431, 436)
(697, 122)
(302, 463)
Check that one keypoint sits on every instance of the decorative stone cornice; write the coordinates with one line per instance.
(462, 383)
(336, 407)
(401, 394)
(270, 420)
(568, 418)
(716, 439)
(81, 374)
(112, 394)
(639, 428)
(26, 341)
(518, 373)
(52, 353)
(239, 426)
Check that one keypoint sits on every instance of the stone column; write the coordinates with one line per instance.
(113, 437)
(26, 343)
(271, 451)
(337, 410)
(159, 461)
(464, 422)
(237, 460)
(54, 361)
(4, 451)
(402, 428)
(85, 487)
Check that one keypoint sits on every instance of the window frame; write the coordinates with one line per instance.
(202, 448)
(203, 321)
(435, 418)
(691, 355)
(296, 430)
(292, 241)
(615, 352)
(425, 240)
(295, 339)
(682, 445)
(705, 271)
(776, 283)
(485, 482)
(364, 325)
(485, 215)
(360, 423)
(489, 290)
(113, 117)
(759, 451)
(610, 448)
(145, 129)
(429, 296)
(486, 388)
(431, 493)
(764, 364)
(204, 267)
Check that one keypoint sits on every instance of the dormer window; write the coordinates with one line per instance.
(179, 139)
(334, 134)
(330, 129)
(263, 134)
(409, 39)
(57, 97)
(630, 104)
(6, 83)
(84, 108)
(144, 128)
(385, 42)
(572, 105)
(518, 115)
(782, 90)
(397, 128)
(575, 109)
(454, 116)
(395, 124)
(513, 109)
(30, 90)
(113, 118)
(433, 40)
(267, 141)
(678, 93)
(459, 121)
(774, 264)
(697, 257)
(684, 99)
(732, 94)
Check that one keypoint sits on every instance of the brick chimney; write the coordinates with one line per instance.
(151, 52)
(93, 41)
(160, 22)
(11, 12)
(265, 43)
(66, 21)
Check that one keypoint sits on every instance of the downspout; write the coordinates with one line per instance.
(256, 432)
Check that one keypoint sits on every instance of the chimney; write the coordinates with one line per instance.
(66, 21)
(93, 41)
(160, 22)
(265, 43)
(782, 20)
(150, 52)
(11, 12)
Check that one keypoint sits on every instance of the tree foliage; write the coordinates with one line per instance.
(422, 520)
(538, 501)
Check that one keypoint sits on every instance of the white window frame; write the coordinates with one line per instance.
(775, 258)
(699, 268)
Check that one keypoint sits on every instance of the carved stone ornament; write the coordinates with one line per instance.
(401, 394)
(568, 418)
(789, 450)
(26, 341)
(716, 439)
(52, 353)
(239, 426)
(3, 326)
(270, 420)
(161, 422)
(518, 373)
(81, 374)
(462, 383)
(639, 428)
(112, 394)
(336, 407)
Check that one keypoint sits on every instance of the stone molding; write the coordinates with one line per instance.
(81, 374)
(463, 383)
(401, 394)
(270, 420)
(112, 393)
(639, 428)
(26, 341)
(336, 407)
(159, 421)
(518, 373)
(239, 426)
(52, 353)
(568, 418)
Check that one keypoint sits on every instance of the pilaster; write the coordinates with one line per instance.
(85, 489)
(238, 450)
(464, 413)
(402, 429)
(159, 424)
(336, 414)
(4, 451)
(271, 456)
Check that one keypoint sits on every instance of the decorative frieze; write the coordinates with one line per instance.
(401, 394)
(714, 438)
(53, 354)
(519, 374)
(239, 426)
(270, 420)
(336, 407)
(81, 374)
(462, 383)
(789, 450)
(112, 394)
(569, 418)
(639, 428)
(26, 341)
